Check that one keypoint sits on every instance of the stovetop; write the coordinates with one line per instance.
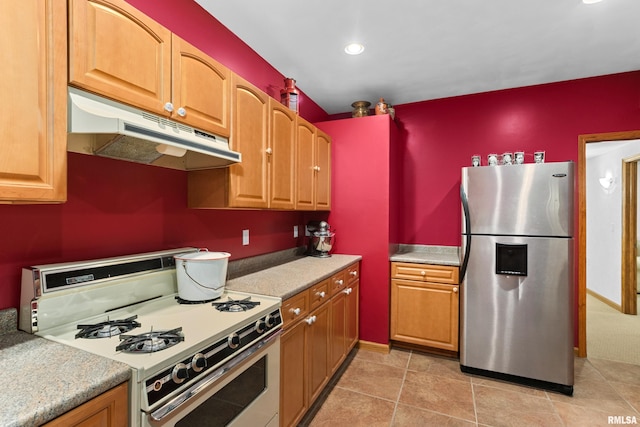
(202, 324)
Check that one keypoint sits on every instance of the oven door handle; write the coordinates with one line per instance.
(214, 376)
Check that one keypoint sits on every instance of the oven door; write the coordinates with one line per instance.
(243, 392)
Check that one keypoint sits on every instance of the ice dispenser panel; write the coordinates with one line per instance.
(511, 259)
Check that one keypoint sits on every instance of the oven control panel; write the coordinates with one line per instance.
(174, 377)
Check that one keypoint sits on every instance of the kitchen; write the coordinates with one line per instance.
(151, 214)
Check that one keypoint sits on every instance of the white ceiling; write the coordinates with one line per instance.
(418, 50)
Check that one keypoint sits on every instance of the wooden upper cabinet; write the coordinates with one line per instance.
(313, 177)
(117, 51)
(306, 159)
(250, 136)
(201, 89)
(120, 53)
(323, 171)
(33, 126)
(281, 156)
(245, 184)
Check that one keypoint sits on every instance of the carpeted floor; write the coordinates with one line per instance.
(612, 335)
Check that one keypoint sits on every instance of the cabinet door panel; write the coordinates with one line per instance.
(282, 158)
(248, 180)
(33, 127)
(318, 351)
(424, 314)
(117, 51)
(201, 86)
(338, 330)
(293, 385)
(323, 172)
(352, 317)
(305, 160)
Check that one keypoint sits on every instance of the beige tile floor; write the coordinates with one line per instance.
(409, 388)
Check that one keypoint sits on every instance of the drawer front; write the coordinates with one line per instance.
(295, 308)
(353, 273)
(319, 293)
(425, 272)
(338, 282)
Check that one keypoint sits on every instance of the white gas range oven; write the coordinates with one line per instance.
(204, 364)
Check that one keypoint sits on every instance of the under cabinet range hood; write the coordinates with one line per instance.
(106, 128)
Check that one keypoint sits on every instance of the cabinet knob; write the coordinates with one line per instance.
(455, 290)
(354, 273)
(316, 168)
(182, 112)
(296, 311)
(321, 294)
(168, 107)
(348, 291)
(269, 150)
(423, 273)
(310, 320)
(339, 282)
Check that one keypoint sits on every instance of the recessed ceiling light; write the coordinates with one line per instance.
(591, 1)
(354, 49)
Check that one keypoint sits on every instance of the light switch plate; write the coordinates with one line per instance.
(295, 231)
(245, 237)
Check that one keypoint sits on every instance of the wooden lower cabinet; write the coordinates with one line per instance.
(424, 311)
(110, 409)
(319, 331)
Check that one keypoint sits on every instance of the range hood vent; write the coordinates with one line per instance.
(103, 127)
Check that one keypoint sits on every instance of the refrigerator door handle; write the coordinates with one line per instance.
(466, 232)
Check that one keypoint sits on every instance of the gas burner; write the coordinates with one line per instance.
(107, 329)
(150, 342)
(186, 301)
(236, 305)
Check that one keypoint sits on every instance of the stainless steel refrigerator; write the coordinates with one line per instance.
(517, 291)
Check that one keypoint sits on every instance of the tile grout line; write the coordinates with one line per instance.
(404, 377)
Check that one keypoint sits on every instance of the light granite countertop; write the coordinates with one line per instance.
(42, 379)
(288, 279)
(424, 254)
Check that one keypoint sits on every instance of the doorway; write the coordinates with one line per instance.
(629, 236)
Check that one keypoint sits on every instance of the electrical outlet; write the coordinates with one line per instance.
(295, 231)
(245, 237)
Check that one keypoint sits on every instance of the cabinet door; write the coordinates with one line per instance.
(201, 89)
(33, 126)
(424, 313)
(338, 330)
(323, 172)
(110, 409)
(282, 156)
(318, 351)
(293, 384)
(305, 161)
(248, 179)
(352, 316)
(119, 52)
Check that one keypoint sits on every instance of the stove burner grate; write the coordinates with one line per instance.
(107, 329)
(150, 342)
(187, 301)
(236, 305)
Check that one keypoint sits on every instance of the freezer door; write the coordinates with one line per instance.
(519, 324)
(530, 199)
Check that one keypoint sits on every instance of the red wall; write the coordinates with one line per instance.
(360, 211)
(440, 136)
(117, 208)
(188, 20)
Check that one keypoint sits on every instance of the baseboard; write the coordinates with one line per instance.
(374, 346)
(607, 301)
